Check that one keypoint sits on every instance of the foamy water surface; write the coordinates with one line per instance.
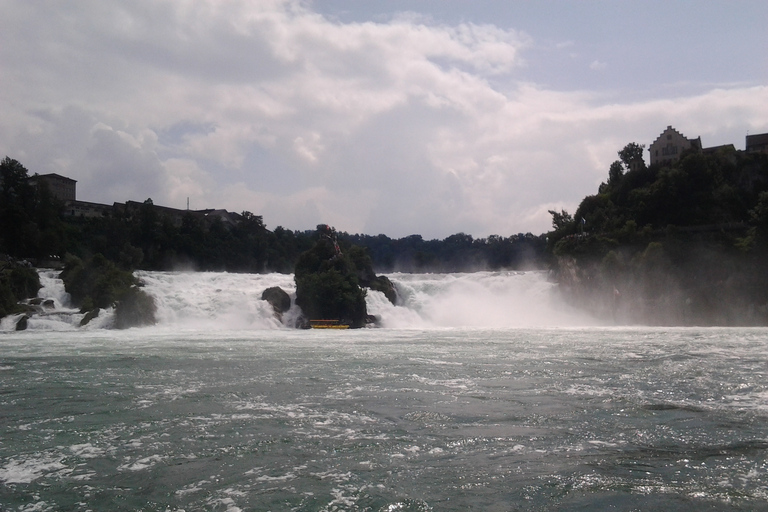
(417, 417)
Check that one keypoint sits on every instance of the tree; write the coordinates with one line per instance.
(19, 234)
(615, 173)
(632, 154)
(561, 220)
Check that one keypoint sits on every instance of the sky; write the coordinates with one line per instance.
(394, 117)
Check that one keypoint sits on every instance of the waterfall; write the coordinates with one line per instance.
(215, 300)
(52, 309)
(478, 299)
(205, 301)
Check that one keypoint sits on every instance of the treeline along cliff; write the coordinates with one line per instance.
(684, 242)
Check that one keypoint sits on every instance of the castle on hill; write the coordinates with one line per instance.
(671, 144)
(65, 190)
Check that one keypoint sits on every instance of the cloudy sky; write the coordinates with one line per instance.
(396, 117)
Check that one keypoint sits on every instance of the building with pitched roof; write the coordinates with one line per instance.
(670, 144)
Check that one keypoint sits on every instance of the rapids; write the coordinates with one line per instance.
(480, 392)
(223, 301)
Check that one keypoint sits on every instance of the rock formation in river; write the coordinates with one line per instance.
(278, 299)
(327, 286)
(99, 283)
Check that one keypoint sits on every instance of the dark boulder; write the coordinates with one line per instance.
(368, 278)
(384, 285)
(22, 323)
(135, 309)
(89, 316)
(278, 299)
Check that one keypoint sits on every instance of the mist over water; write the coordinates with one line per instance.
(480, 299)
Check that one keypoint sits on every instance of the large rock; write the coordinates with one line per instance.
(22, 324)
(278, 299)
(385, 286)
(367, 277)
(90, 315)
(326, 283)
(135, 309)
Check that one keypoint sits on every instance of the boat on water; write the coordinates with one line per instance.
(327, 324)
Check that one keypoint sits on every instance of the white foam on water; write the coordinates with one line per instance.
(26, 470)
(214, 300)
(221, 301)
(479, 299)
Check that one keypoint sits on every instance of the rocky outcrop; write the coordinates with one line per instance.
(90, 315)
(278, 299)
(367, 278)
(18, 281)
(327, 287)
(384, 285)
(22, 323)
(135, 309)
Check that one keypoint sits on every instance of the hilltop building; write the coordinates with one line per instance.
(61, 187)
(176, 216)
(75, 208)
(716, 149)
(65, 190)
(670, 144)
(757, 143)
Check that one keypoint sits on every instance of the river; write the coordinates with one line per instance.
(479, 392)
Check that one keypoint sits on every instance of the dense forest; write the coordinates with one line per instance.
(680, 243)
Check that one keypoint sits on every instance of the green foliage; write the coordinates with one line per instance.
(631, 155)
(682, 243)
(29, 216)
(17, 282)
(99, 283)
(327, 286)
(561, 220)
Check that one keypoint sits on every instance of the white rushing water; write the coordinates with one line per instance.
(480, 392)
(224, 301)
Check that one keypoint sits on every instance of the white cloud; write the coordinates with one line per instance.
(597, 65)
(405, 126)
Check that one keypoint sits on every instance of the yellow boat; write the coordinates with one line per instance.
(327, 324)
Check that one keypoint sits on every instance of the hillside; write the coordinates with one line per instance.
(684, 243)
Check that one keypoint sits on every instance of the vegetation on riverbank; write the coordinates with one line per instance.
(681, 244)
